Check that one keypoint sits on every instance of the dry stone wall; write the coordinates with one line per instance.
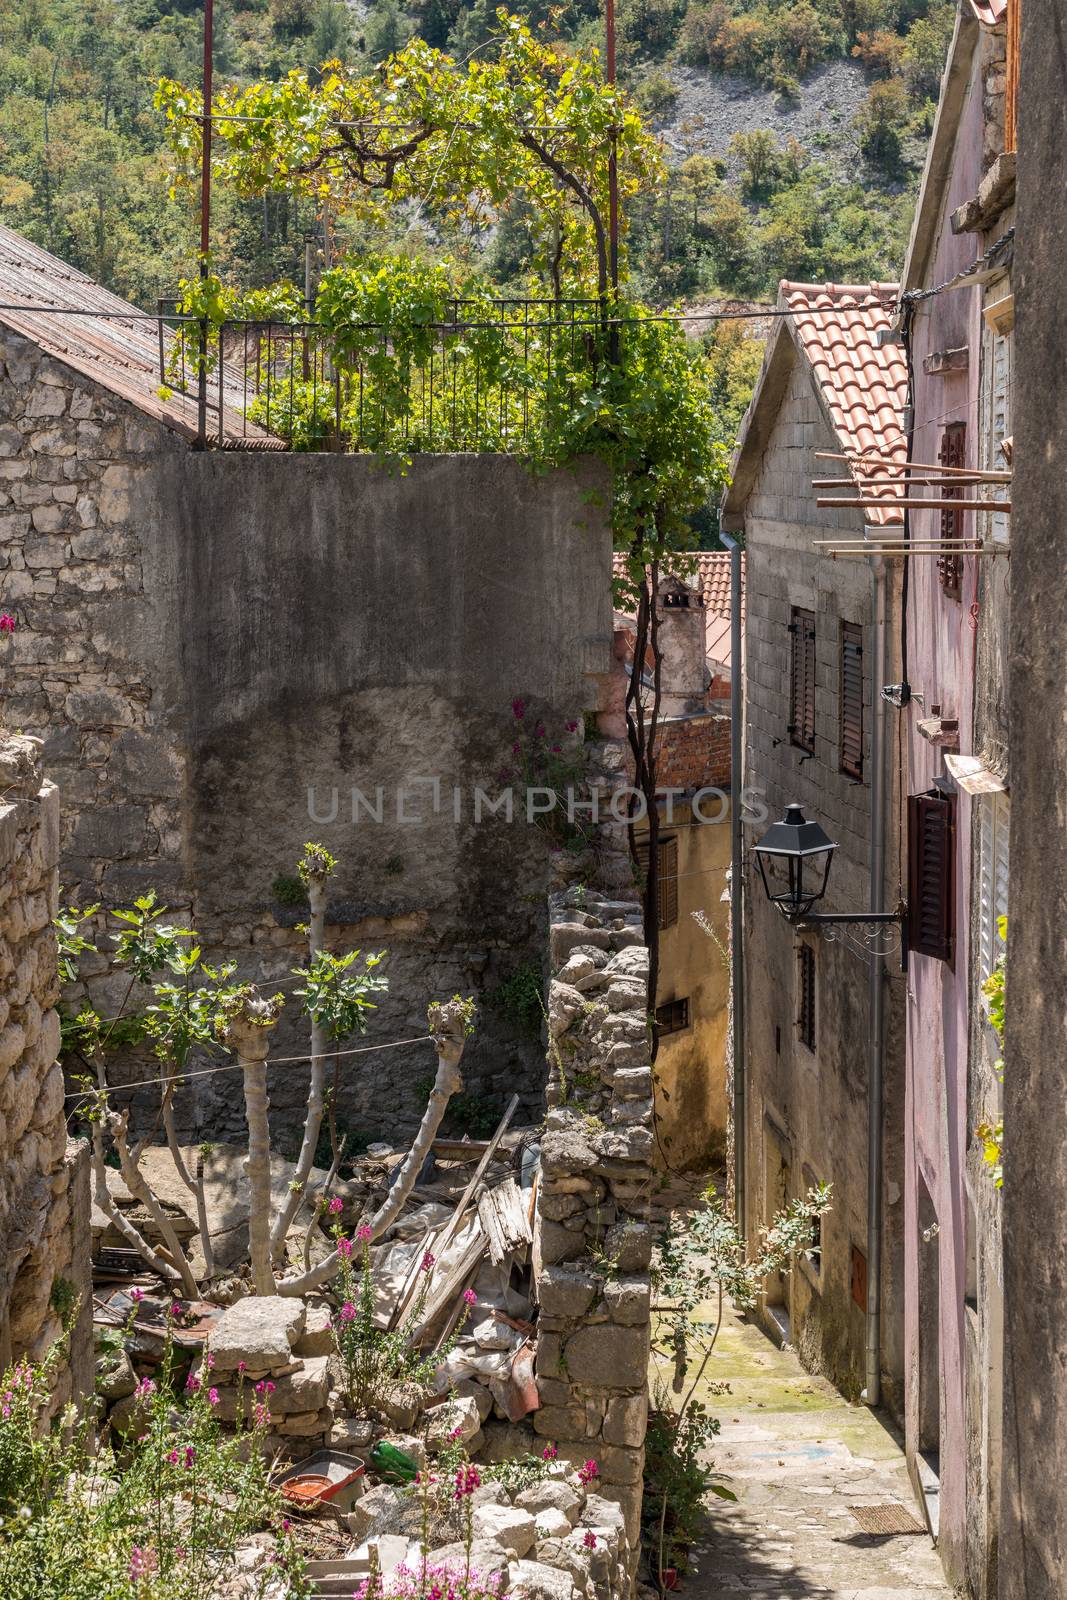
(594, 1239)
(44, 1180)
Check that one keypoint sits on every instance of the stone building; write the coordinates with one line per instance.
(228, 652)
(959, 777)
(821, 643)
(44, 1178)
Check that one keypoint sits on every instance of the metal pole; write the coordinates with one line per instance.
(876, 999)
(613, 163)
(205, 220)
(737, 918)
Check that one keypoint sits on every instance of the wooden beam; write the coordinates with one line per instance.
(916, 505)
(988, 475)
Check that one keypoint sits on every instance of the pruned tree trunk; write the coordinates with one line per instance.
(247, 1033)
(448, 1022)
(317, 1089)
(137, 1185)
(133, 1236)
(195, 1185)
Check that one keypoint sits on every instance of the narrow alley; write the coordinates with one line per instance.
(824, 1506)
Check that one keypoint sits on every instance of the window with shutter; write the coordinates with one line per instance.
(852, 699)
(667, 878)
(802, 680)
(996, 405)
(953, 453)
(993, 827)
(806, 995)
(672, 1016)
(931, 875)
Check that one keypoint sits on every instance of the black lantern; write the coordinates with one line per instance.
(794, 859)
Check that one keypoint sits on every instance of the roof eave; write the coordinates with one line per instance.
(757, 423)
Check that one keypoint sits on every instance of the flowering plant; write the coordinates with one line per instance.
(374, 1359)
(432, 1583)
(552, 765)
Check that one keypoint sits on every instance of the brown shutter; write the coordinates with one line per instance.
(802, 680)
(953, 453)
(668, 882)
(931, 875)
(852, 699)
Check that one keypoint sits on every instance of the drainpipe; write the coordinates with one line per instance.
(737, 972)
(876, 1032)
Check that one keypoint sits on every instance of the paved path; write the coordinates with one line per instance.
(798, 1457)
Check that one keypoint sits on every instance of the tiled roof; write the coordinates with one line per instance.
(712, 577)
(864, 385)
(120, 353)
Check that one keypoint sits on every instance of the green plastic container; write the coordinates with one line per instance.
(393, 1465)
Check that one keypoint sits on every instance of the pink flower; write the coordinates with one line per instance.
(572, 727)
(261, 1416)
(549, 1453)
(213, 1396)
(467, 1480)
(174, 1458)
(588, 1471)
(137, 1295)
(348, 1312)
(364, 1233)
(516, 748)
(190, 1455)
(264, 1386)
(344, 1248)
(557, 749)
(470, 1297)
(337, 1205)
(428, 1262)
(142, 1563)
(210, 1358)
(192, 1383)
(518, 708)
(590, 1540)
(144, 1389)
(242, 1366)
(7, 622)
(540, 730)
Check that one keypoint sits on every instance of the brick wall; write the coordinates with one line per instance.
(694, 752)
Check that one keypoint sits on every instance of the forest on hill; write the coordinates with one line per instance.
(793, 128)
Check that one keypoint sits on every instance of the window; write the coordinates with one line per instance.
(953, 453)
(932, 875)
(851, 752)
(802, 680)
(806, 995)
(997, 359)
(672, 1017)
(666, 879)
(993, 827)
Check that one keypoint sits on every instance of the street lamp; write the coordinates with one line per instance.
(794, 858)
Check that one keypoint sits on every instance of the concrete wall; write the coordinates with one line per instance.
(807, 1111)
(204, 639)
(44, 1180)
(941, 653)
(1034, 1530)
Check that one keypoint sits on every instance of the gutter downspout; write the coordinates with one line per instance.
(737, 921)
(876, 994)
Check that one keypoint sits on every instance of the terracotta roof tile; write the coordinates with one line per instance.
(864, 385)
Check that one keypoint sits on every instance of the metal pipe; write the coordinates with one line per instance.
(737, 920)
(876, 996)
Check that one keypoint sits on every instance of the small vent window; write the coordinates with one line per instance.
(931, 875)
(806, 996)
(802, 680)
(672, 1017)
(852, 699)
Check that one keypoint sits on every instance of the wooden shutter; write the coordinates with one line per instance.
(802, 680)
(953, 453)
(852, 699)
(932, 875)
(668, 882)
(806, 995)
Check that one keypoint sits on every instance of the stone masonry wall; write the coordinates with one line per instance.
(593, 1242)
(219, 647)
(44, 1179)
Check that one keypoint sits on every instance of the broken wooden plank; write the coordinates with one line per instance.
(502, 1214)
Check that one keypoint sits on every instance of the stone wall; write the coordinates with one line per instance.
(219, 647)
(44, 1179)
(593, 1241)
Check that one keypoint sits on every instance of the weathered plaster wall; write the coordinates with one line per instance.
(807, 1111)
(1034, 1532)
(44, 1180)
(941, 652)
(204, 640)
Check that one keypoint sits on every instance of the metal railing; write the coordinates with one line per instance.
(484, 378)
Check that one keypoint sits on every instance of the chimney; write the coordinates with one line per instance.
(682, 637)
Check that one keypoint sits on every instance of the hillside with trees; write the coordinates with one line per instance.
(792, 130)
